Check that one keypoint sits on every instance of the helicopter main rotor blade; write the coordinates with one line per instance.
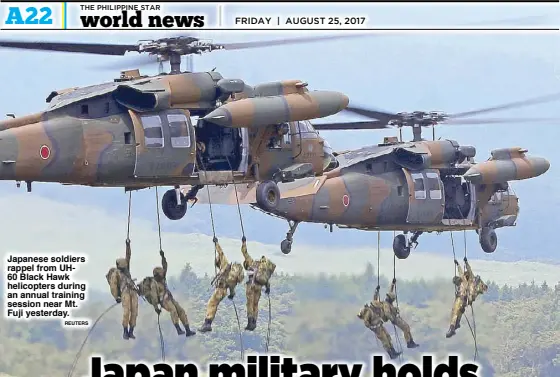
(371, 113)
(500, 121)
(278, 42)
(85, 48)
(511, 105)
(360, 125)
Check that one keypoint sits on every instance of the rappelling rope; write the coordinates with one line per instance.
(397, 301)
(211, 213)
(473, 327)
(78, 354)
(161, 340)
(457, 289)
(242, 349)
(269, 322)
(128, 222)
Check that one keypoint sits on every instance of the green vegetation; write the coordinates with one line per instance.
(313, 318)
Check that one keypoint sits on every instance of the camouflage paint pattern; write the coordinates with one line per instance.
(263, 111)
(507, 165)
(92, 135)
(370, 190)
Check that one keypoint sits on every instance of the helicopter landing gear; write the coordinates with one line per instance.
(488, 240)
(174, 204)
(268, 195)
(402, 246)
(286, 245)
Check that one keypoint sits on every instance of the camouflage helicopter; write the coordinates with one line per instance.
(172, 129)
(410, 187)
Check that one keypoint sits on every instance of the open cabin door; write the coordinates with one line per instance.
(307, 145)
(426, 202)
(165, 144)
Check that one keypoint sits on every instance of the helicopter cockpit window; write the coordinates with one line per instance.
(433, 186)
(306, 130)
(153, 132)
(419, 188)
(179, 130)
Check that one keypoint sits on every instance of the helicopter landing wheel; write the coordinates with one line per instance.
(268, 195)
(400, 247)
(170, 208)
(488, 240)
(286, 246)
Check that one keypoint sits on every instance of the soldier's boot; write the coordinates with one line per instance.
(450, 332)
(251, 324)
(188, 330)
(179, 329)
(131, 333)
(412, 344)
(393, 354)
(125, 333)
(207, 326)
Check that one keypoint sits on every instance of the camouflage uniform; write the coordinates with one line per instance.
(229, 275)
(371, 315)
(462, 286)
(476, 285)
(123, 290)
(258, 274)
(391, 313)
(166, 300)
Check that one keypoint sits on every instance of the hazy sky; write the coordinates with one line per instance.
(413, 71)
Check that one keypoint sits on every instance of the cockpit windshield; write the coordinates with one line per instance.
(306, 130)
(329, 160)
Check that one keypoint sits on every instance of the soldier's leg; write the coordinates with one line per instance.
(455, 316)
(212, 307)
(125, 301)
(133, 314)
(168, 305)
(182, 314)
(405, 328)
(385, 339)
(250, 298)
(257, 290)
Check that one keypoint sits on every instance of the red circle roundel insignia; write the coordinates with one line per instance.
(346, 200)
(44, 152)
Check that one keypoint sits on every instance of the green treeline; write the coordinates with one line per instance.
(313, 318)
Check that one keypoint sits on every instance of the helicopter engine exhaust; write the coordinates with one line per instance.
(264, 111)
(508, 164)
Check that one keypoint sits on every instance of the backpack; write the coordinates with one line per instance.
(235, 275)
(264, 271)
(148, 289)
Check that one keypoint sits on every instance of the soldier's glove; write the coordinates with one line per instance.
(394, 280)
(231, 296)
(127, 242)
(161, 253)
(243, 239)
(377, 288)
(465, 259)
(158, 311)
(118, 300)
(215, 239)
(457, 263)
(267, 290)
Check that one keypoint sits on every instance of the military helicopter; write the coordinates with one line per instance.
(410, 187)
(175, 128)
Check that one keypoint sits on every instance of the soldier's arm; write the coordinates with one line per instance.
(468, 268)
(248, 260)
(128, 254)
(460, 271)
(221, 259)
(393, 285)
(376, 294)
(163, 263)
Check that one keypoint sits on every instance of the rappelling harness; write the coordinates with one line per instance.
(473, 327)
